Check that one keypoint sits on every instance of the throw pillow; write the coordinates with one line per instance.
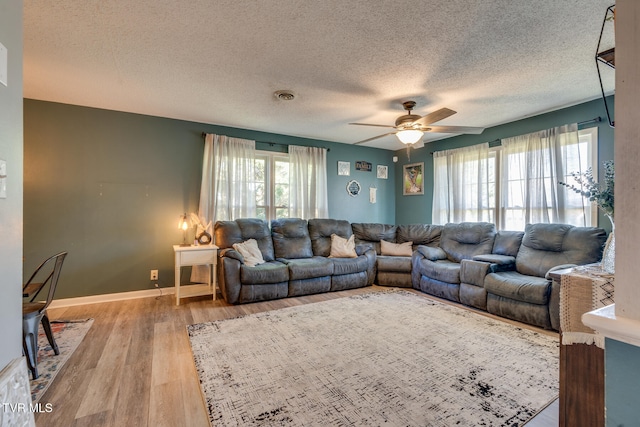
(343, 248)
(396, 249)
(250, 252)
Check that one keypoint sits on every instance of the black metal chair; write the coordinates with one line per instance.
(34, 313)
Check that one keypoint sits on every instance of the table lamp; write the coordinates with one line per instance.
(183, 225)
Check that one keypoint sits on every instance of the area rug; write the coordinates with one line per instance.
(68, 335)
(384, 358)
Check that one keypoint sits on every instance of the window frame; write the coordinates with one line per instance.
(270, 158)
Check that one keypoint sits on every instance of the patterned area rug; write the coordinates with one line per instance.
(68, 335)
(384, 358)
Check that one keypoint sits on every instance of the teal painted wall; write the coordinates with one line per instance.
(11, 207)
(417, 209)
(622, 389)
(109, 186)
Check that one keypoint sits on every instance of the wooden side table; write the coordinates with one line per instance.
(195, 255)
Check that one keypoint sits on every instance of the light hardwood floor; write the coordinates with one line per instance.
(134, 367)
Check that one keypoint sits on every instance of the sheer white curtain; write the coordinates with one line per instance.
(462, 185)
(227, 190)
(308, 182)
(532, 166)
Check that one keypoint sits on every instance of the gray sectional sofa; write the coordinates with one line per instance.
(502, 272)
(296, 253)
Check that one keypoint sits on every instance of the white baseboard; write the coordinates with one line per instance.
(120, 296)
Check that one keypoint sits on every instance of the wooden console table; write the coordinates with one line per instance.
(582, 289)
(195, 255)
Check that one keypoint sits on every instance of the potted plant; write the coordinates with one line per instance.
(603, 197)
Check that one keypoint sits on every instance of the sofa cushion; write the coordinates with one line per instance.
(343, 248)
(267, 273)
(466, 239)
(349, 265)
(229, 232)
(291, 238)
(396, 249)
(320, 231)
(431, 253)
(507, 243)
(373, 233)
(419, 234)
(250, 252)
(516, 286)
(308, 268)
(443, 271)
(399, 264)
(546, 245)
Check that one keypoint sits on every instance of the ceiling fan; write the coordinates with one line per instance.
(409, 128)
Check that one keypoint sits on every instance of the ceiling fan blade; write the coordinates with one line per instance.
(436, 116)
(454, 129)
(369, 124)
(371, 139)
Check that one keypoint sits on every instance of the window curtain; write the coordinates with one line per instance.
(532, 166)
(227, 190)
(308, 182)
(461, 185)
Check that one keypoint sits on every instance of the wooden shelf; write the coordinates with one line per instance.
(608, 57)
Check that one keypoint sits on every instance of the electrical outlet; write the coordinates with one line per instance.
(154, 275)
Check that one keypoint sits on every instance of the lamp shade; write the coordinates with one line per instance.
(182, 223)
(409, 136)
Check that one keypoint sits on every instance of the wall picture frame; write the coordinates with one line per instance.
(413, 179)
(353, 188)
(344, 168)
(382, 172)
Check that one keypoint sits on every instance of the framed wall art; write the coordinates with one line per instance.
(363, 166)
(382, 172)
(413, 179)
(344, 168)
(353, 188)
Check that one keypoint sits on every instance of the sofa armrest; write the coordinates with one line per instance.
(372, 265)
(556, 268)
(431, 253)
(229, 278)
(362, 248)
(495, 259)
(473, 272)
(232, 253)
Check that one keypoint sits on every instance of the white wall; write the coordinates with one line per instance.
(11, 207)
(627, 159)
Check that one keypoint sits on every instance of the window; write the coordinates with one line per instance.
(516, 183)
(272, 185)
(551, 202)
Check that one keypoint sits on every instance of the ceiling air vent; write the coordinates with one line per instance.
(284, 95)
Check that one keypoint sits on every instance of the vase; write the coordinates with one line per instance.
(609, 253)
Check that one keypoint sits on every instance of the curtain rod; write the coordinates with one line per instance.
(271, 144)
(496, 142)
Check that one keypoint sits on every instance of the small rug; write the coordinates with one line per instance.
(68, 335)
(385, 358)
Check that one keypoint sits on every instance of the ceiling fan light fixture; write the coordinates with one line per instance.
(409, 136)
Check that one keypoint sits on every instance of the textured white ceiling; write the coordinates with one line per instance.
(219, 62)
